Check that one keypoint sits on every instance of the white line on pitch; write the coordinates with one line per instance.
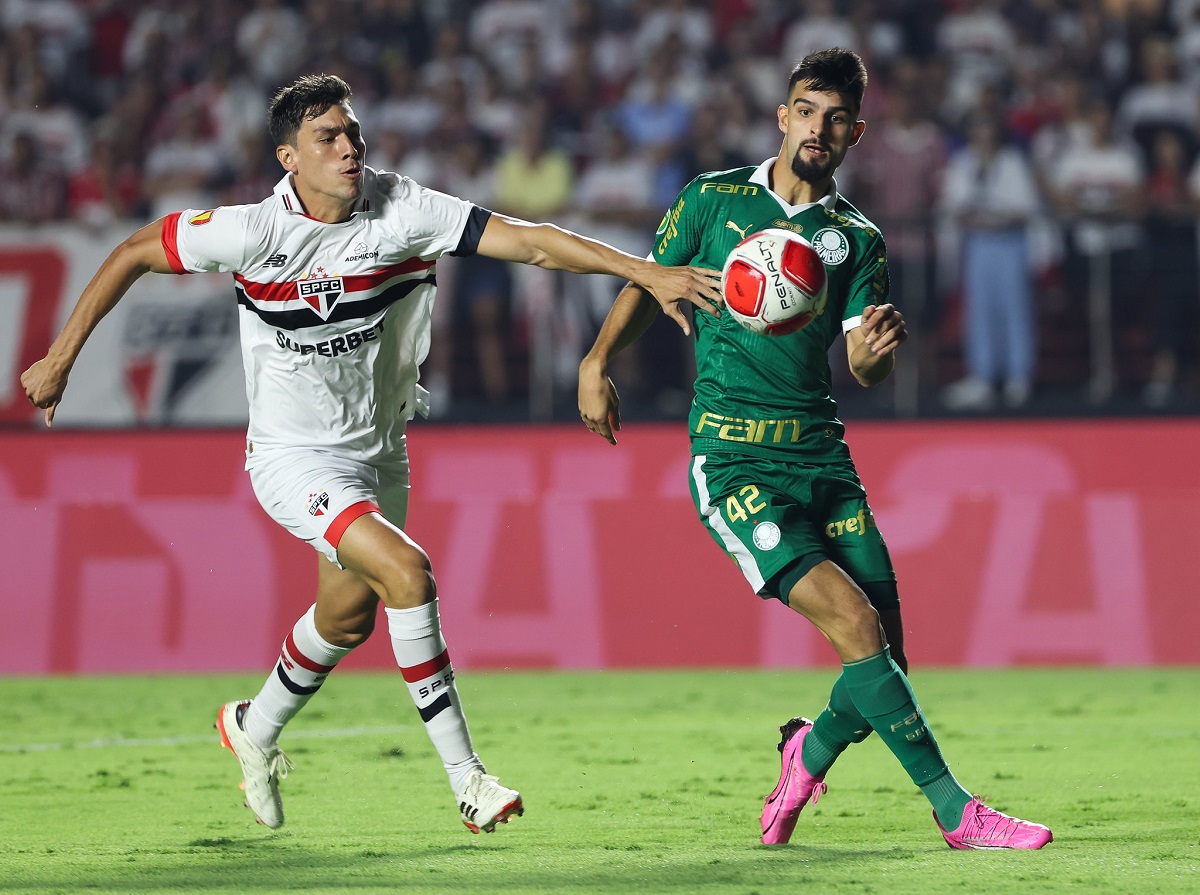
(119, 742)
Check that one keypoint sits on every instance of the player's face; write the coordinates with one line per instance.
(819, 128)
(327, 163)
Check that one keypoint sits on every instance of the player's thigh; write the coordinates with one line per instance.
(756, 512)
(317, 496)
(852, 538)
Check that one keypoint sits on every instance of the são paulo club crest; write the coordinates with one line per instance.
(320, 293)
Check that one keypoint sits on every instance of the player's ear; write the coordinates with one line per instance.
(856, 134)
(781, 115)
(287, 157)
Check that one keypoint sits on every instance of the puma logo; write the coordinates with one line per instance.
(740, 232)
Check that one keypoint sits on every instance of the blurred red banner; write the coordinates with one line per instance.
(1015, 544)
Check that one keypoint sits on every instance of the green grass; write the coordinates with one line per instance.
(634, 782)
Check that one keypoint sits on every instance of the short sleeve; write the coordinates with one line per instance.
(677, 241)
(207, 241)
(428, 222)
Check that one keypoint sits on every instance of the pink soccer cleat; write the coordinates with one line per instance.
(796, 786)
(984, 827)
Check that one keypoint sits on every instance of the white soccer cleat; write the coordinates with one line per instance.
(485, 803)
(262, 769)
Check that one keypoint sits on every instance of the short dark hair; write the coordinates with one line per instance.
(305, 98)
(836, 70)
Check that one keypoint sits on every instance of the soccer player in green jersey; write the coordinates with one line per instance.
(771, 475)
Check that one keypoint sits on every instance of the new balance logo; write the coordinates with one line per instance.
(275, 261)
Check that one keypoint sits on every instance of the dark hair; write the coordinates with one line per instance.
(836, 70)
(305, 98)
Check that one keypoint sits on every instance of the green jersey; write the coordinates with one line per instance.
(770, 395)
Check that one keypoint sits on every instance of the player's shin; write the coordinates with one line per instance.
(305, 660)
(835, 728)
(424, 661)
(883, 696)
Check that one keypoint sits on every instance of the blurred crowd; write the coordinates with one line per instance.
(1032, 163)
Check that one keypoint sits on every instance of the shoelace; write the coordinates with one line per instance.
(478, 784)
(279, 764)
(987, 823)
(818, 789)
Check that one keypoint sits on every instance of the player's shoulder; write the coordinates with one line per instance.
(843, 213)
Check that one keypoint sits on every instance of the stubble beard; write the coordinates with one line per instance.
(810, 171)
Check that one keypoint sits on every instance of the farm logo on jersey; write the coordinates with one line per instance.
(202, 218)
(320, 292)
(766, 536)
(318, 503)
(831, 245)
(361, 253)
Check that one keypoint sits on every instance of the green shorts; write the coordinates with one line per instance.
(770, 514)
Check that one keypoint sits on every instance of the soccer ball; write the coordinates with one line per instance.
(774, 282)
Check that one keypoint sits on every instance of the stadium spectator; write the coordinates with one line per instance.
(107, 189)
(1173, 203)
(59, 130)
(32, 185)
(899, 177)
(475, 295)
(979, 43)
(820, 25)
(272, 39)
(1159, 98)
(332, 380)
(1097, 189)
(189, 167)
(788, 507)
(991, 197)
(128, 63)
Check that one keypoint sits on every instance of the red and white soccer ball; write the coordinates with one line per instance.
(774, 282)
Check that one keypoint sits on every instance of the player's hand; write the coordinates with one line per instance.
(883, 329)
(44, 385)
(599, 403)
(671, 286)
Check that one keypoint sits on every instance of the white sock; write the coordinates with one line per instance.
(305, 660)
(425, 663)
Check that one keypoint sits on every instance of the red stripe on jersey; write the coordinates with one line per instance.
(286, 289)
(337, 528)
(415, 673)
(170, 241)
(293, 652)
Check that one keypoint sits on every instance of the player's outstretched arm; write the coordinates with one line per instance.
(46, 380)
(552, 247)
(872, 344)
(599, 404)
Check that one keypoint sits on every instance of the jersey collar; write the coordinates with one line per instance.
(292, 204)
(762, 177)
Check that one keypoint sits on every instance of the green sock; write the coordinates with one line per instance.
(883, 696)
(835, 728)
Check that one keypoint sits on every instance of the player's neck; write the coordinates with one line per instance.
(327, 209)
(785, 184)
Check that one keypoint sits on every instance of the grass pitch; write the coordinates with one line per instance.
(633, 782)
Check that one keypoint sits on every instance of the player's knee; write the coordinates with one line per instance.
(408, 580)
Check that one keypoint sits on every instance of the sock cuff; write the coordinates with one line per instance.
(312, 644)
(416, 623)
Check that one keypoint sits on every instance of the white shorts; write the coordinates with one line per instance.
(316, 495)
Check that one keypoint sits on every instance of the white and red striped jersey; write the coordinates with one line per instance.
(335, 318)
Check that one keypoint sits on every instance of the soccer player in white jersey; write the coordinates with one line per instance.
(334, 278)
